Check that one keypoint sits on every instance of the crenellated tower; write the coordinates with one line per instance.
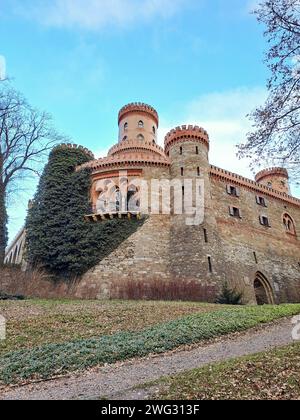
(188, 150)
(275, 178)
(138, 121)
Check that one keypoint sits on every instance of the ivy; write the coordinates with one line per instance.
(58, 237)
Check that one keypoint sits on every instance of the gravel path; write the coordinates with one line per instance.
(117, 381)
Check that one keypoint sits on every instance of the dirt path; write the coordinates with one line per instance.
(117, 381)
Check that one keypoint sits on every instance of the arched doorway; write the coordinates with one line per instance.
(263, 290)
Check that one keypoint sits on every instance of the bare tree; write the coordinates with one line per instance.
(276, 133)
(26, 136)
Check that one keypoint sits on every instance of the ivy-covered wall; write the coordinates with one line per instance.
(58, 237)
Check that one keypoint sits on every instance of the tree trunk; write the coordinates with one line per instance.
(3, 217)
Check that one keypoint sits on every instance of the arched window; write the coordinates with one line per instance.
(140, 137)
(125, 126)
(154, 130)
(141, 124)
(125, 138)
(289, 224)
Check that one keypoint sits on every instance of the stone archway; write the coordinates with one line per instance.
(263, 290)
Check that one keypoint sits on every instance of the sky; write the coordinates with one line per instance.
(196, 61)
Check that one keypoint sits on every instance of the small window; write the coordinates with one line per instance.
(264, 221)
(210, 265)
(255, 257)
(261, 201)
(197, 150)
(125, 126)
(180, 150)
(140, 137)
(154, 130)
(141, 124)
(234, 191)
(153, 142)
(198, 171)
(205, 236)
(125, 138)
(182, 171)
(270, 185)
(235, 212)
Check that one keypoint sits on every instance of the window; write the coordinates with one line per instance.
(140, 137)
(210, 265)
(261, 201)
(197, 150)
(141, 124)
(205, 236)
(289, 224)
(180, 150)
(231, 190)
(270, 185)
(255, 257)
(235, 212)
(264, 221)
(125, 126)
(153, 142)
(182, 171)
(125, 138)
(154, 130)
(198, 171)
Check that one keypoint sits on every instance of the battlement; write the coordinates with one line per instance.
(186, 132)
(282, 172)
(75, 146)
(138, 107)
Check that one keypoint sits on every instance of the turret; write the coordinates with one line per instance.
(138, 121)
(187, 148)
(275, 178)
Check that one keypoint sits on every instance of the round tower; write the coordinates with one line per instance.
(138, 121)
(275, 178)
(187, 148)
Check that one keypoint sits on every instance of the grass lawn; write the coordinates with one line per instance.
(126, 330)
(267, 376)
(33, 323)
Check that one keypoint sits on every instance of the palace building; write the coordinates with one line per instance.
(249, 235)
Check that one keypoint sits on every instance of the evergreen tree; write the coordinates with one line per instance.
(229, 296)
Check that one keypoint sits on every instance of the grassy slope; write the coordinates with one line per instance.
(36, 322)
(52, 359)
(267, 376)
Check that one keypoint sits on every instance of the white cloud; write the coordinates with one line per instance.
(96, 14)
(223, 115)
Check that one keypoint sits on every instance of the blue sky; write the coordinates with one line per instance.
(195, 61)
